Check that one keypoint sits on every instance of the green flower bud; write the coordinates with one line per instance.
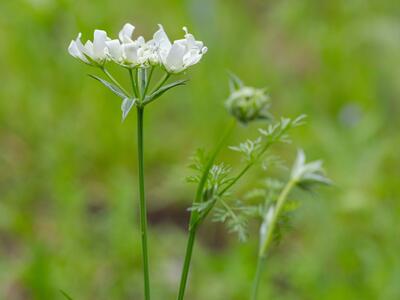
(248, 104)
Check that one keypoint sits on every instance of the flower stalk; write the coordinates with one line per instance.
(304, 175)
(142, 203)
(266, 234)
(195, 217)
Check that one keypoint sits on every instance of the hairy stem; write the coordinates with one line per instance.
(142, 204)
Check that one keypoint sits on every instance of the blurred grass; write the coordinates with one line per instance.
(68, 165)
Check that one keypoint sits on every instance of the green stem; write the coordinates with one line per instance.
(277, 210)
(257, 277)
(194, 217)
(148, 80)
(266, 241)
(161, 82)
(133, 82)
(142, 204)
(108, 74)
(186, 265)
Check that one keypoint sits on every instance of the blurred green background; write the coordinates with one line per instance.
(68, 194)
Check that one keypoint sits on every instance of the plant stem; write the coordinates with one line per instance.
(141, 83)
(186, 265)
(266, 241)
(194, 216)
(161, 82)
(257, 277)
(134, 85)
(148, 80)
(279, 205)
(142, 204)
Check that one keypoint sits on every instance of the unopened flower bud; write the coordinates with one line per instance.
(248, 104)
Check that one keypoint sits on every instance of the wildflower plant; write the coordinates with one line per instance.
(215, 180)
(140, 58)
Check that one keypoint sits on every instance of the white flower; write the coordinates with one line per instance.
(180, 55)
(306, 174)
(92, 52)
(158, 47)
(126, 51)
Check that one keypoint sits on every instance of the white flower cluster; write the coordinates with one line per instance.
(128, 52)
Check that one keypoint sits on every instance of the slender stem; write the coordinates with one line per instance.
(266, 240)
(142, 204)
(194, 217)
(279, 204)
(108, 74)
(161, 82)
(186, 265)
(134, 85)
(257, 277)
(148, 80)
(142, 82)
(236, 179)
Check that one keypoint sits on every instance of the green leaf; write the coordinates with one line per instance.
(164, 89)
(126, 106)
(113, 88)
(65, 295)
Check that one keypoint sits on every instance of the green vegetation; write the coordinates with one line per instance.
(68, 215)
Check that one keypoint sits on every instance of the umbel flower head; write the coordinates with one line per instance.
(306, 175)
(128, 52)
(247, 104)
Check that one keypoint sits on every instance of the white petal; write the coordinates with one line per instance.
(99, 44)
(174, 60)
(88, 49)
(161, 38)
(191, 59)
(73, 50)
(114, 50)
(79, 42)
(126, 32)
(298, 166)
(140, 41)
(130, 53)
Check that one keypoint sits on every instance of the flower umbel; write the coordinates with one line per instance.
(174, 57)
